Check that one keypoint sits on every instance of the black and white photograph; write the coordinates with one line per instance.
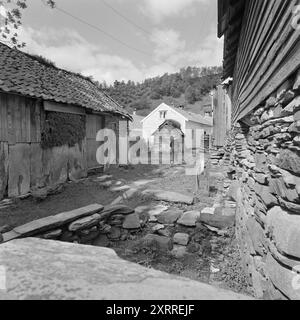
(150, 153)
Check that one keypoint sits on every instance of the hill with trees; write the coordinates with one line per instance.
(189, 87)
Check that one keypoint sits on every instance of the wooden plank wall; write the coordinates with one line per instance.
(269, 53)
(220, 118)
(93, 124)
(20, 119)
(24, 165)
(20, 129)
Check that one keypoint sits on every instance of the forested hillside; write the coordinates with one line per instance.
(189, 87)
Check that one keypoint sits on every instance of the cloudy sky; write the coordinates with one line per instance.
(172, 34)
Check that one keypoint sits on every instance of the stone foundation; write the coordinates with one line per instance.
(265, 162)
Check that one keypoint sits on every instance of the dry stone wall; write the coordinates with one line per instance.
(264, 151)
(83, 225)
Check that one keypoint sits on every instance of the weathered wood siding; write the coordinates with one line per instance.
(94, 123)
(24, 165)
(19, 120)
(3, 168)
(221, 117)
(268, 53)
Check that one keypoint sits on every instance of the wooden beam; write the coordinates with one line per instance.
(64, 108)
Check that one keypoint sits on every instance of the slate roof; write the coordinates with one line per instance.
(22, 74)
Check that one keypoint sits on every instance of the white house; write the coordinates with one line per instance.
(187, 120)
(136, 124)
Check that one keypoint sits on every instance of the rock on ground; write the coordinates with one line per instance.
(169, 196)
(170, 216)
(132, 221)
(189, 219)
(159, 242)
(179, 252)
(85, 223)
(64, 271)
(181, 239)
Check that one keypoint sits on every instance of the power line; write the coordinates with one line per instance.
(149, 33)
(101, 30)
(126, 18)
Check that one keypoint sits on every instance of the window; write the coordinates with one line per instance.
(163, 114)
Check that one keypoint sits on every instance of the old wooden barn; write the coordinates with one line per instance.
(49, 119)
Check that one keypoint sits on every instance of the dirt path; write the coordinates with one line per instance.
(209, 257)
(75, 195)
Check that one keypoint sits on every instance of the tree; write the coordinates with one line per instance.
(11, 20)
(175, 93)
(190, 95)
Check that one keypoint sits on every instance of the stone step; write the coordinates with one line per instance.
(64, 271)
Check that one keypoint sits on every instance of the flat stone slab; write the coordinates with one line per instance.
(140, 183)
(104, 178)
(84, 223)
(116, 209)
(65, 271)
(285, 230)
(218, 220)
(168, 196)
(157, 210)
(56, 221)
(158, 227)
(119, 189)
(170, 216)
(189, 218)
(208, 210)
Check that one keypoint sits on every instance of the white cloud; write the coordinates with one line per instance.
(167, 43)
(69, 50)
(171, 49)
(72, 52)
(159, 9)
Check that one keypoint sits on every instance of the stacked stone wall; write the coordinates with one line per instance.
(83, 225)
(264, 151)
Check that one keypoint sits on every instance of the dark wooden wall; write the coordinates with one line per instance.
(19, 119)
(24, 165)
(268, 53)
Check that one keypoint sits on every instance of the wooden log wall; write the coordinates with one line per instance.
(268, 53)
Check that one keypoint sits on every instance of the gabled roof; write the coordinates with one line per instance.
(24, 75)
(188, 116)
(171, 125)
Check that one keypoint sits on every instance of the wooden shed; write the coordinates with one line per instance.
(169, 142)
(49, 119)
